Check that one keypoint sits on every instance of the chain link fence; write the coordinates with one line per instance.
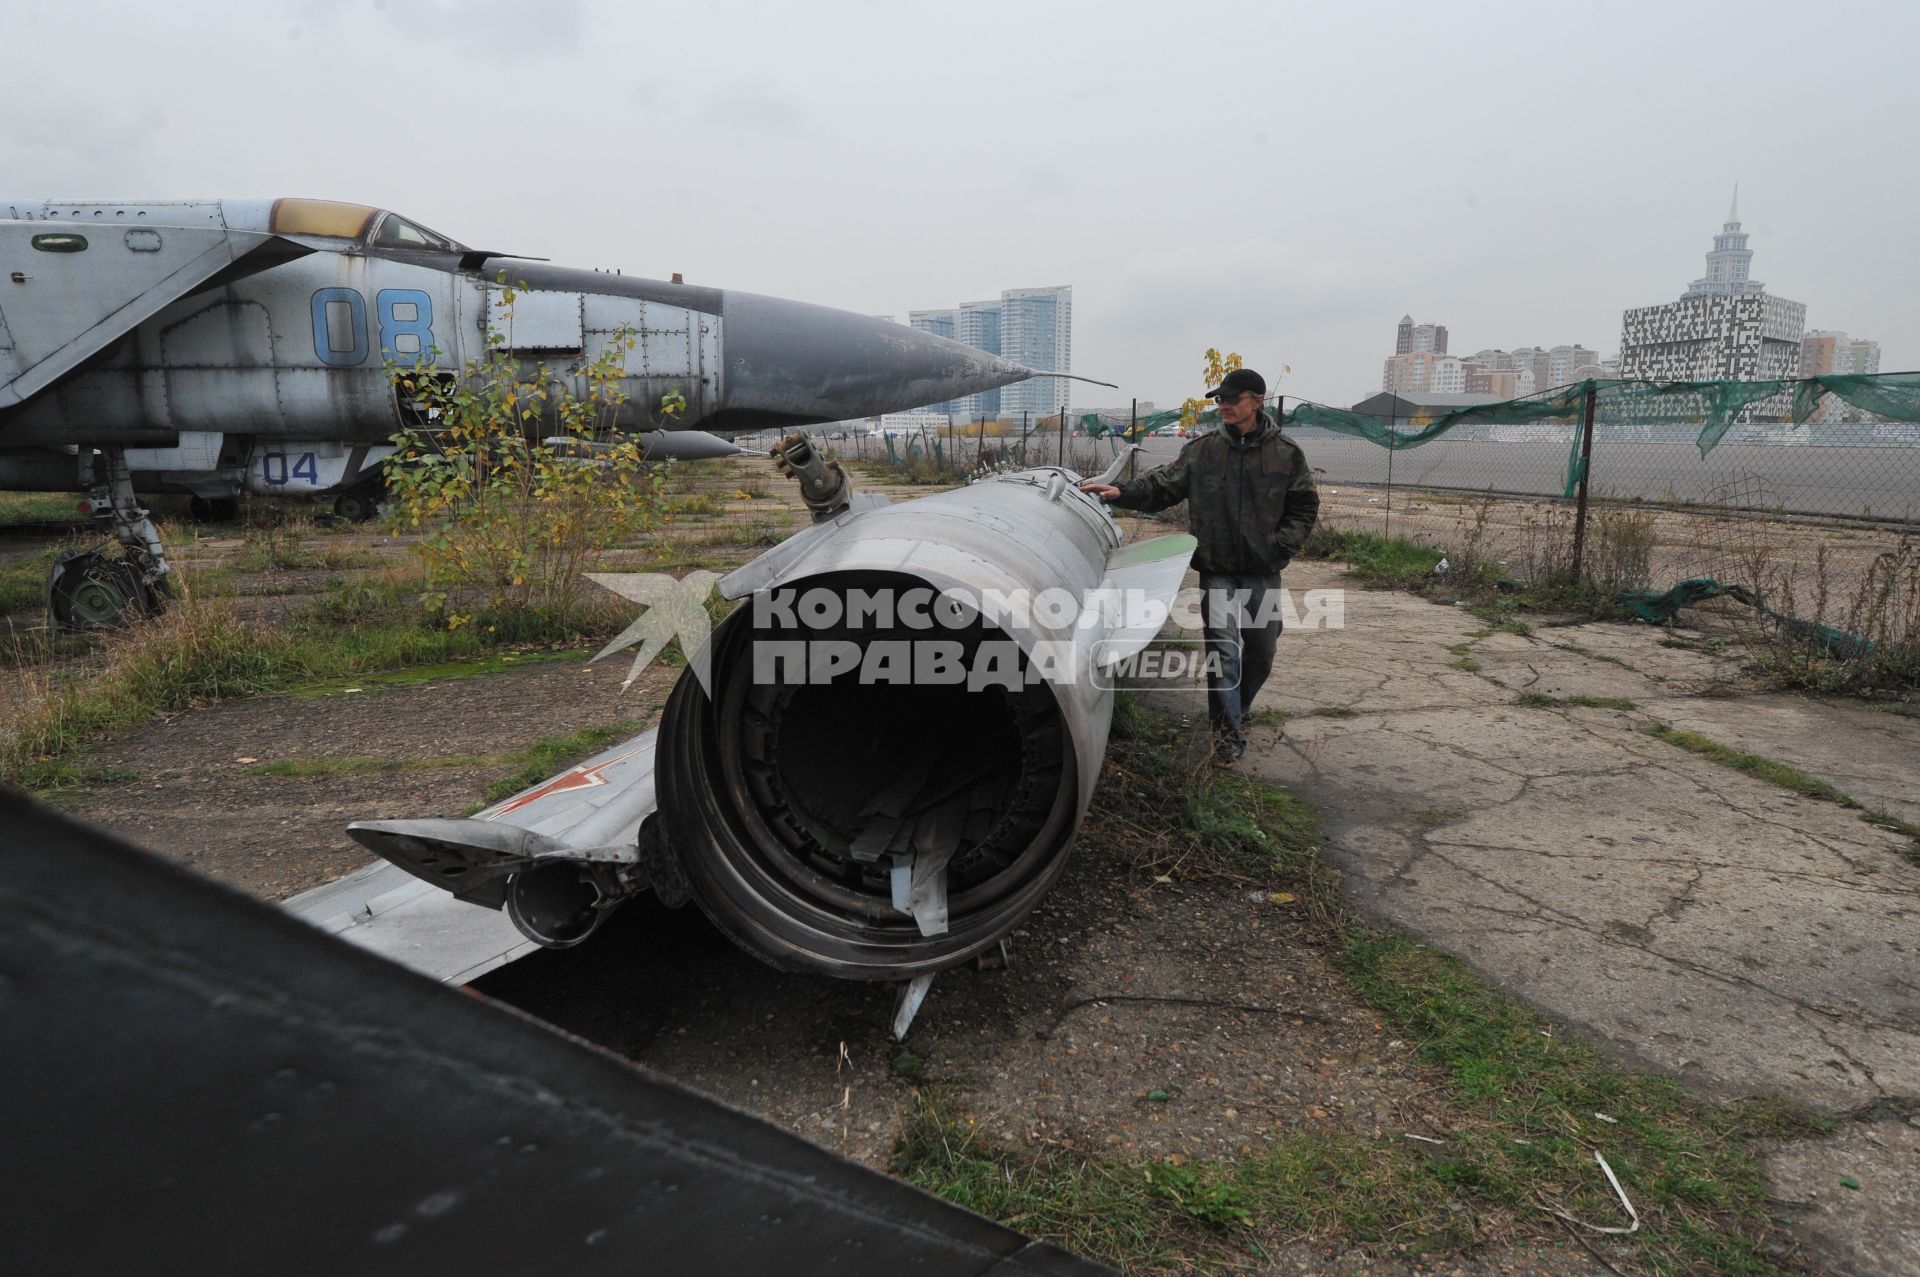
(1805, 494)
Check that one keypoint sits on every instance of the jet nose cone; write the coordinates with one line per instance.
(792, 362)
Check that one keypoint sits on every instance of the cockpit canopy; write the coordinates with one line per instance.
(375, 227)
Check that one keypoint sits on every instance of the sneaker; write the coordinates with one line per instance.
(1227, 751)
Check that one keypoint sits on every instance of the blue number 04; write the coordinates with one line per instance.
(274, 471)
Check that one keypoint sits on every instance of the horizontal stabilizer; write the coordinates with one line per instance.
(589, 812)
(470, 858)
(1144, 578)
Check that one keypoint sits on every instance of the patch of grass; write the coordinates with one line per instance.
(1248, 826)
(55, 777)
(1378, 560)
(1539, 700)
(1466, 663)
(201, 651)
(302, 768)
(1096, 1208)
(40, 507)
(1334, 711)
(363, 765)
(1434, 817)
(23, 582)
(1760, 768)
(553, 753)
(694, 504)
(1461, 649)
(1512, 1076)
(479, 666)
(1515, 1105)
(1131, 719)
(1591, 655)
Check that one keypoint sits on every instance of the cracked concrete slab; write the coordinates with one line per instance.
(1856, 1196)
(1865, 753)
(1685, 915)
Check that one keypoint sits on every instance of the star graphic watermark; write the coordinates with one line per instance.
(676, 609)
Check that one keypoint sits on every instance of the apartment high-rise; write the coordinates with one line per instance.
(941, 323)
(1823, 352)
(1031, 326)
(977, 324)
(1036, 329)
(1425, 339)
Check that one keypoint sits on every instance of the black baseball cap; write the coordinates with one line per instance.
(1238, 381)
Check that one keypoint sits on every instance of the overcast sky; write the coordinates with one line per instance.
(1284, 180)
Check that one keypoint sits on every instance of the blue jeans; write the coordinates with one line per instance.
(1239, 648)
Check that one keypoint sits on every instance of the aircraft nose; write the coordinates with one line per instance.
(789, 361)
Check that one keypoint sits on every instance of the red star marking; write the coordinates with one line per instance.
(581, 777)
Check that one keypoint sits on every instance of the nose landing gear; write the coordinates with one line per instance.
(92, 589)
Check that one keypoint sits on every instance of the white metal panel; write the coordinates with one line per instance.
(197, 450)
(537, 320)
(386, 910)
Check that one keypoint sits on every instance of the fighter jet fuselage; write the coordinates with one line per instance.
(277, 324)
(228, 346)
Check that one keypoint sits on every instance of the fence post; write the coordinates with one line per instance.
(1133, 432)
(1063, 436)
(1586, 463)
(1393, 437)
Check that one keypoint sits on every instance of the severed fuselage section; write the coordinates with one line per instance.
(874, 767)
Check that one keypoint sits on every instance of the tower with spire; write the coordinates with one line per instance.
(1729, 262)
(1725, 326)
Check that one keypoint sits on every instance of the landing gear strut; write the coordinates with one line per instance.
(91, 589)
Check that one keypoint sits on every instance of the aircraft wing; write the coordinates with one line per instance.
(77, 287)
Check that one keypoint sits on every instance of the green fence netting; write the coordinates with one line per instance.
(1657, 608)
(1715, 405)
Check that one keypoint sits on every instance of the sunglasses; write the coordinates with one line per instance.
(1224, 400)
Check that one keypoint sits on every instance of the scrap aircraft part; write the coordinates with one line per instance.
(686, 445)
(824, 485)
(655, 445)
(558, 856)
(877, 831)
(95, 590)
(209, 1086)
(889, 829)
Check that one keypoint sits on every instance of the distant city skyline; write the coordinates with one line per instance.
(1031, 326)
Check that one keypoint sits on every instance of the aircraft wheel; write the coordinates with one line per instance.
(214, 509)
(91, 591)
(355, 507)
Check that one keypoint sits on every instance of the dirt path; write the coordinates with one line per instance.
(195, 789)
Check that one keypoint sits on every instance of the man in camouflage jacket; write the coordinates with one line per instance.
(1251, 505)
